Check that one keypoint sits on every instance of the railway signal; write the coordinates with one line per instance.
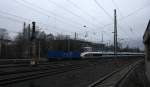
(34, 57)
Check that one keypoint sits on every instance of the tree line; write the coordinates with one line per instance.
(21, 46)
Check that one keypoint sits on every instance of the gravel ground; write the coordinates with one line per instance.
(76, 78)
(136, 78)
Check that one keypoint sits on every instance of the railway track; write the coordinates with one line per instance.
(21, 76)
(116, 77)
(27, 72)
(41, 71)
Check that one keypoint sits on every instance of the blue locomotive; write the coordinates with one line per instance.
(63, 55)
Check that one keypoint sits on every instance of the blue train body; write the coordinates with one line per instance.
(63, 55)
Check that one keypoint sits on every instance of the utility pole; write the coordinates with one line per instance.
(24, 30)
(39, 49)
(120, 41)
(102, 43)
(75, 35)
(68, 44)
(1, 46)
(115, 33)
(28, 38)
(39, 46)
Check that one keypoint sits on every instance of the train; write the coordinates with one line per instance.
(79, 55)
(108, 54)
(63, 55)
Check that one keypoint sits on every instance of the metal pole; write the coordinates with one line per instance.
(102, 43)
(120, 44)
(34, 60)
(39, 49)
(75, 36)
(29, 43)
(115, 33)
(68, 44)
(0, 47)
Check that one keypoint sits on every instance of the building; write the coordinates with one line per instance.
(4, 47)
(146, 39)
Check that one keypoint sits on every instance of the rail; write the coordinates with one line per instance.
(101, 80)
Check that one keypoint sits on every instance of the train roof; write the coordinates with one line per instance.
(84, 53)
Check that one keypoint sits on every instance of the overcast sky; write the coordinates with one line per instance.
(69, 16)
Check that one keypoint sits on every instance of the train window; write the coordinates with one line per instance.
(97, 55)
(88, 55)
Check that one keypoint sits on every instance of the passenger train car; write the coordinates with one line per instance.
(108, 54)
(77, 55)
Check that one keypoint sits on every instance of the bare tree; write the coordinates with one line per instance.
(3, 34)
(3, 41)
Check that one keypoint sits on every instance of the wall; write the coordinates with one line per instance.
(146, 39)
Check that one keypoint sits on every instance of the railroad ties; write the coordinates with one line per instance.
(115, 78)
(20, 73)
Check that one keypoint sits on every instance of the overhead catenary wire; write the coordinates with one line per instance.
(48, 11)
(74, 22)
(19, 21)
(115, 4)
(22, 20)
(33, 8)
(36, 6)
(104, 10)
(136, 11)
(45, 10)
(11, 19)
(69, 11)
(128, 15)
(43, 13)
(101, 7)
(6, 13)
(83, 11)
(117, 7)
